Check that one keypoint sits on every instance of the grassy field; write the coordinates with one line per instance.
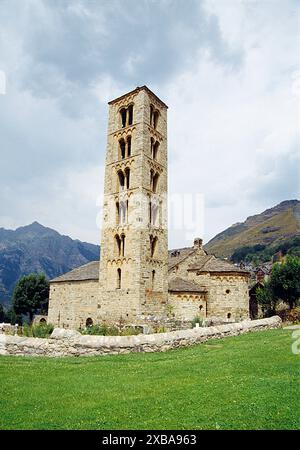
(244, 382)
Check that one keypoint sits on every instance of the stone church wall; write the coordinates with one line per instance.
(228, 298)
(186, 306)
(228, 295)
(181, 270)
(72, 303)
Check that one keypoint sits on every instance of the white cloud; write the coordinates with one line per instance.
(229, 71)
(232, 130)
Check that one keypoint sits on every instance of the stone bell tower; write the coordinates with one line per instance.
(134, 244)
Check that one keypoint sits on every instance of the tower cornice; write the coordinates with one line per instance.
(135, 91)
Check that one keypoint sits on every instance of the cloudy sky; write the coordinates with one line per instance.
(229, 71)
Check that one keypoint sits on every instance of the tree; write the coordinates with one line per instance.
(283, 285)
(12, 317)
(266, 299)
(285, 281)
(31, 295)
(2, 313)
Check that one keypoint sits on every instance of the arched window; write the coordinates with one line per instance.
(43, 321)
(154, 214)
(119, 279)
(123, 212)
(121, 180)
(128, 146)
(150, 212)
(122, 146)
(123, 117)
(122, 244)
(118, 245)
(89, 322)
(155, 150)
(151, 179)
(151, 146)
(151, 114)
(153, 241)
(155, 182)
(126, 115)
(130, 114)
(117, 213)
(154, 114)
(153, 279)
(228, 316)
(127, 176)
(155, 119)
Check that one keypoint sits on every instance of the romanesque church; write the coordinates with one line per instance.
(137, 280)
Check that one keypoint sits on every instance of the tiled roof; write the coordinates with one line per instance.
(89, 271)
(203, 263)
(210, 263)
(178, 255)
(180, 285)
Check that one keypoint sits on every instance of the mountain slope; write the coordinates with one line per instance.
(271, 227)
(35, 248)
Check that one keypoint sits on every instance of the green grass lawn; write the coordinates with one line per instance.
(244, 382)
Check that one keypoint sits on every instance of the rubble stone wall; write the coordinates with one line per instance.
(71, 343)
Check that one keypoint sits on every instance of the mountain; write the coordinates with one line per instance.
(35, 248)
(269, 230)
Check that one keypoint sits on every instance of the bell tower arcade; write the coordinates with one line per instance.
(134, 243)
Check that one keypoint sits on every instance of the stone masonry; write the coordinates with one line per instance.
(71, 343)
(137, 280)
(134, 245)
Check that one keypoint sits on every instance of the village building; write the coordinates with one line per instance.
(137, 280)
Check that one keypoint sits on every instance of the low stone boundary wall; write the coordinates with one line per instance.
(72, 343)
(8, 328)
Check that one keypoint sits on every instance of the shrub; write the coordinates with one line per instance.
(25, 330)
(112, 331)
(130, 331)
(101, 330)
(40, 331)
(170, 311)
(105, 330)
(95, 330)
(292, 315)
(161, 329)
(197, 319)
